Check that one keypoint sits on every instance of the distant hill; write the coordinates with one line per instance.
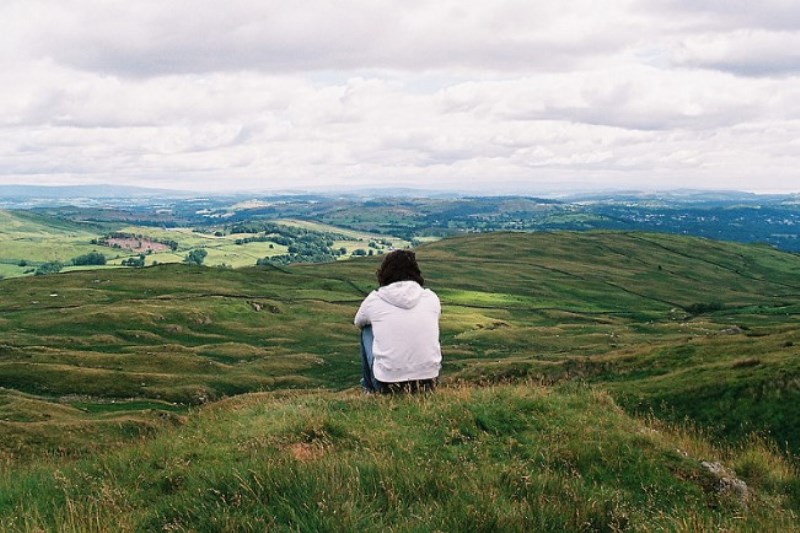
(422, 215)
(682, 196)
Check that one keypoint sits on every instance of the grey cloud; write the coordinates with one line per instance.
(156, 38)
(638, 98)
(763, 67)
(743, 52)
(723, 15)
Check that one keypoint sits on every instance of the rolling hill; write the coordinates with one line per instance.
(657, 329)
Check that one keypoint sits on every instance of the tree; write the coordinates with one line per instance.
(49, 268)
(92, 258)
(137, 262)
(196, 257)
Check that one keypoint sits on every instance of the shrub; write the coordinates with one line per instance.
(93, 258)
(137, 262)
(196, 257)
(53, 267)
(703, 307)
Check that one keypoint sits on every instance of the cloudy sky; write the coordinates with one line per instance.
(502, 95)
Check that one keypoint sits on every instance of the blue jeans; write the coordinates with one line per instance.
(368, 380)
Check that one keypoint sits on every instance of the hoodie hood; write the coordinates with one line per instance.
(403, 294)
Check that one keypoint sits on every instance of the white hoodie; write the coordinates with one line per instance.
(405, 325)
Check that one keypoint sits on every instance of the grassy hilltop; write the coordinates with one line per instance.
(660, 326)
(497, 458)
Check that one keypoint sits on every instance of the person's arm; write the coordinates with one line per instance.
(362, 316)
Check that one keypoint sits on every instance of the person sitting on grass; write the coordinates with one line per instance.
(399, 324)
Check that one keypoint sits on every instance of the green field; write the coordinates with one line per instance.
(28, 237)
(28, 240)
(576, 364)
(354, 239)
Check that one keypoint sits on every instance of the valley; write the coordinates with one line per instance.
(32, 243)
(694, 339)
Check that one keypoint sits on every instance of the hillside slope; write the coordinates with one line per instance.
(510, 458)
(677, 325)
(27, 239)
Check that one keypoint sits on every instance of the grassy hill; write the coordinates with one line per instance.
(27, 239)
(509, 457)
(668, 328)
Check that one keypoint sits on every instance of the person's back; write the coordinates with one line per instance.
(400, 328)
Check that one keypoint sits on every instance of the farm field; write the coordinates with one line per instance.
(27, 241)
(221, 250)
(642, 343)
(354, 239)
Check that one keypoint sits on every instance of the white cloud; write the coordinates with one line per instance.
(511, 94)
(152, 37)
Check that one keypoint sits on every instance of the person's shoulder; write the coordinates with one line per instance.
(372, 296)
(428, 293)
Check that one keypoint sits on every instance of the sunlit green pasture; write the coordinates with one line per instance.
(25, 237)
(12, 269)
(354, 239)
(30, 240)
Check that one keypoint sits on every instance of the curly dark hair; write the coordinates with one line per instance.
(399, 265)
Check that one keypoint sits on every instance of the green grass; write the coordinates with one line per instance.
(353, 240)
(511, 458)
(38, 239)
(11, 270)
(93, 360)
(550, 307)
(25, 236)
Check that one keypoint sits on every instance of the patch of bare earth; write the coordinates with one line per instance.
(137, 245)
(305, 452)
